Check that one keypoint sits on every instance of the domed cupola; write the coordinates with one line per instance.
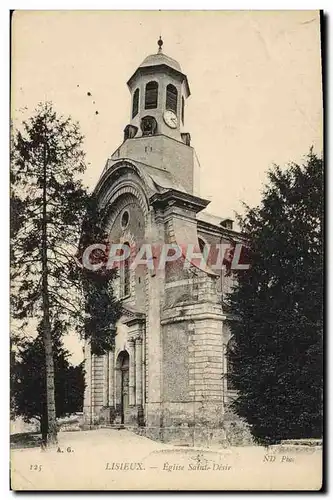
(158, 89)
(159, 59)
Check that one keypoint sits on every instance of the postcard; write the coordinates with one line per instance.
(166, 250)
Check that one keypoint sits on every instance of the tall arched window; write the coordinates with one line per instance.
(151, 95)
(202, 245)
(230, 365)
(127, 284)
(124, 273)
(183, 110)
(171, 98)
(135, 108)
(204, 249)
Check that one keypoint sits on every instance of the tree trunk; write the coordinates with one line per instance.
(43, 429)
(51, 432)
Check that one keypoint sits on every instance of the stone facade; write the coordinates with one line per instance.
(165, 377)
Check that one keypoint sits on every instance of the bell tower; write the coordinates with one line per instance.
(155, 134)
(159, 90)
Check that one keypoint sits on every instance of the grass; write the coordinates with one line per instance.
(25, 440)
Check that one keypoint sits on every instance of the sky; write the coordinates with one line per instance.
(255, 79)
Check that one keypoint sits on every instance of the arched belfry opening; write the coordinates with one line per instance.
(171, 98)
(135, 107)
(151, 95)
(122, 384)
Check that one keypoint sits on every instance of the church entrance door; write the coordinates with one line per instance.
(123, 384)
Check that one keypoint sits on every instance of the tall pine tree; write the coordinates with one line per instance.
(277, 307)
(49, 207)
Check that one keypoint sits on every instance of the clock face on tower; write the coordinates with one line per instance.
(170, 118)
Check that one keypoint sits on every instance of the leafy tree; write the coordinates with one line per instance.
(49, 207)
(277, 307)
(102, 309)
(28, 383)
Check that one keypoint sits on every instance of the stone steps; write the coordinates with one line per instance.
(114, 426)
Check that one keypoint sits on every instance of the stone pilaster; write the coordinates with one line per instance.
(138, 368)
(105, 380)
(116, 378)
(153, 348)
(111, 379)
(131, 385)
(97, 385)
(88, 382)
(206, 361)
(93, 383)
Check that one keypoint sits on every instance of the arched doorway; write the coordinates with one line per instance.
(122, 384)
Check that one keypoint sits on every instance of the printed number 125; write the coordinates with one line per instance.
(36, 467)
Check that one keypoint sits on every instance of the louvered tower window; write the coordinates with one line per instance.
(183, 110)
(151, 95)
(135, 109)
(171, 98)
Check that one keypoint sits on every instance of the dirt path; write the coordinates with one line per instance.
(108, 459)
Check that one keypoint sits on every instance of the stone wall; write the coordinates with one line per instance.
(175, 362)
(163, 153)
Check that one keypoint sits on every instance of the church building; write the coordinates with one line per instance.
(166, 377)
